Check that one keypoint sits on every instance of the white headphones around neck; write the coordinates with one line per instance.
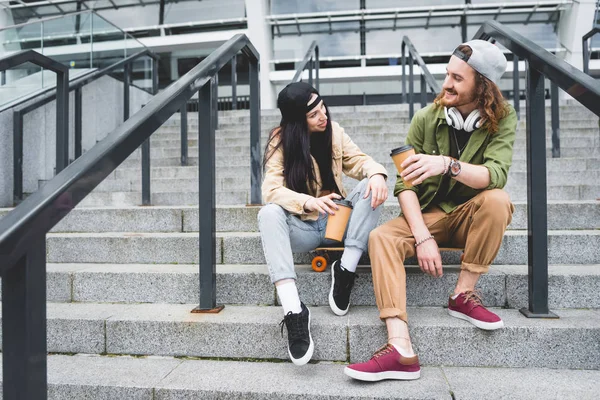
(455, 119)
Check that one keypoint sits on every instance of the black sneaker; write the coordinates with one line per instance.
(342, 282)
(300, 343)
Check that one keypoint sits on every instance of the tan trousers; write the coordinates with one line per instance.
(478, 226)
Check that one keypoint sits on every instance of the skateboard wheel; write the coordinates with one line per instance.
(319, 264)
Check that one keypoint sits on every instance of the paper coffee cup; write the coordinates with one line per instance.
(336, 224)
(399, 155)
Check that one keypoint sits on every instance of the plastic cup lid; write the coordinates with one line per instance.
(401, 149)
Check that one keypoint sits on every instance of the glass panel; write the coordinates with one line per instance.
(336, 44)
(141, 73)
(23, 80)
(187, 11)
(306, 6)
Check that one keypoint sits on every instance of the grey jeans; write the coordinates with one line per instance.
(283, 233)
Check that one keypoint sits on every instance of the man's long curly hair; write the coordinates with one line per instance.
(490, 102)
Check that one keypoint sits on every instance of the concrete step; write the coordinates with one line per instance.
(190, 197)
(561, 215)
(564, 247)
(97, 377)
(253, 332)
(570, 286)
(189, 172)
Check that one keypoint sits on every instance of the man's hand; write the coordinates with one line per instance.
(379, 188)
(430, 260)
(422, 166)
(324, 205)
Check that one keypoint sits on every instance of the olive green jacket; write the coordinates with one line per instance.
(429, 134)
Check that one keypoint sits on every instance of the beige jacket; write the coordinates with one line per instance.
(347, 158)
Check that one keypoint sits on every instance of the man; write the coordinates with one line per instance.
(464, 145)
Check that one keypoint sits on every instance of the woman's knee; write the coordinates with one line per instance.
(271, 213)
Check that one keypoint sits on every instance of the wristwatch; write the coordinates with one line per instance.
(454, 168)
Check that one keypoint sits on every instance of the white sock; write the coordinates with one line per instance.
(288, 297)
(403, 352)
(455, 296)
(350, 258)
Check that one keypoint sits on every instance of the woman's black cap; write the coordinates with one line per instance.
(293, 99)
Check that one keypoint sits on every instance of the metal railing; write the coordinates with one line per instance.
(540, 64)
(585, 42)
(23, 230)
(24, 285)
(310, 62)
(427, 80)
(61, 94)
(77, 85)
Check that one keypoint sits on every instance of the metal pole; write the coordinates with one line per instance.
(78, 122)
(3, 78)
(586, 56)
(234, 83)
(126, 82)
(310, 72)
(516, 90)
(17, 156)
(255, 169)
(537, 206)
(423, 91)
(146, 201)
(207, 200)
(154, 76)
(62, 121)
(555, 120)
(403, 98)
(411, 87)
(215, 104)
(24, 352)
(317, 68)
(184, 134)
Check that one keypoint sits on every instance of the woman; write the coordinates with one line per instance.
(304, 161)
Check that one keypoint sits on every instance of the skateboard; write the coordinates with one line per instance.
(321, 257)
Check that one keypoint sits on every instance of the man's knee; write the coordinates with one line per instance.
(497, 204)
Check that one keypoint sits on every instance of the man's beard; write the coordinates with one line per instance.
(457, 101)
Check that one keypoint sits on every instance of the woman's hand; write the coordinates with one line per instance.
(379, 188)
(422, 166)
(324, 205)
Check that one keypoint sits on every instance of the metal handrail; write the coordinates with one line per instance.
(586, 49)
(540, 64)
(77, 85)
(23, 230)
(62, 111)
(427, 78)
(311, 63)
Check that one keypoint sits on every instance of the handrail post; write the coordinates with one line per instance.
(126, 83)
(255, 150)
(183, 122)
(78, 122)
(404, 97)
(516, 90)
(24, 349)
(555, 120)
(62, 120)
(207, 200)
(411, 87)
(317, 68)
(310, 72)
(537, 207)
(146, 201)
(17, 156)
(215, 103)
(234, 83)
(154, 76)
(423, 91)
(586, 55)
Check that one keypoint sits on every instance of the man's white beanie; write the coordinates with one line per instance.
(487, 59)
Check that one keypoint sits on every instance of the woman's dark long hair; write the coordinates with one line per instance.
(298, 145)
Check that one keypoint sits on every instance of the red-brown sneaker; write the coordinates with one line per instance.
(386, 363)
(468, 306)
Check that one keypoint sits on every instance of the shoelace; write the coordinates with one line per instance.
(387, 348)
(475, 297)
(293, 322)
